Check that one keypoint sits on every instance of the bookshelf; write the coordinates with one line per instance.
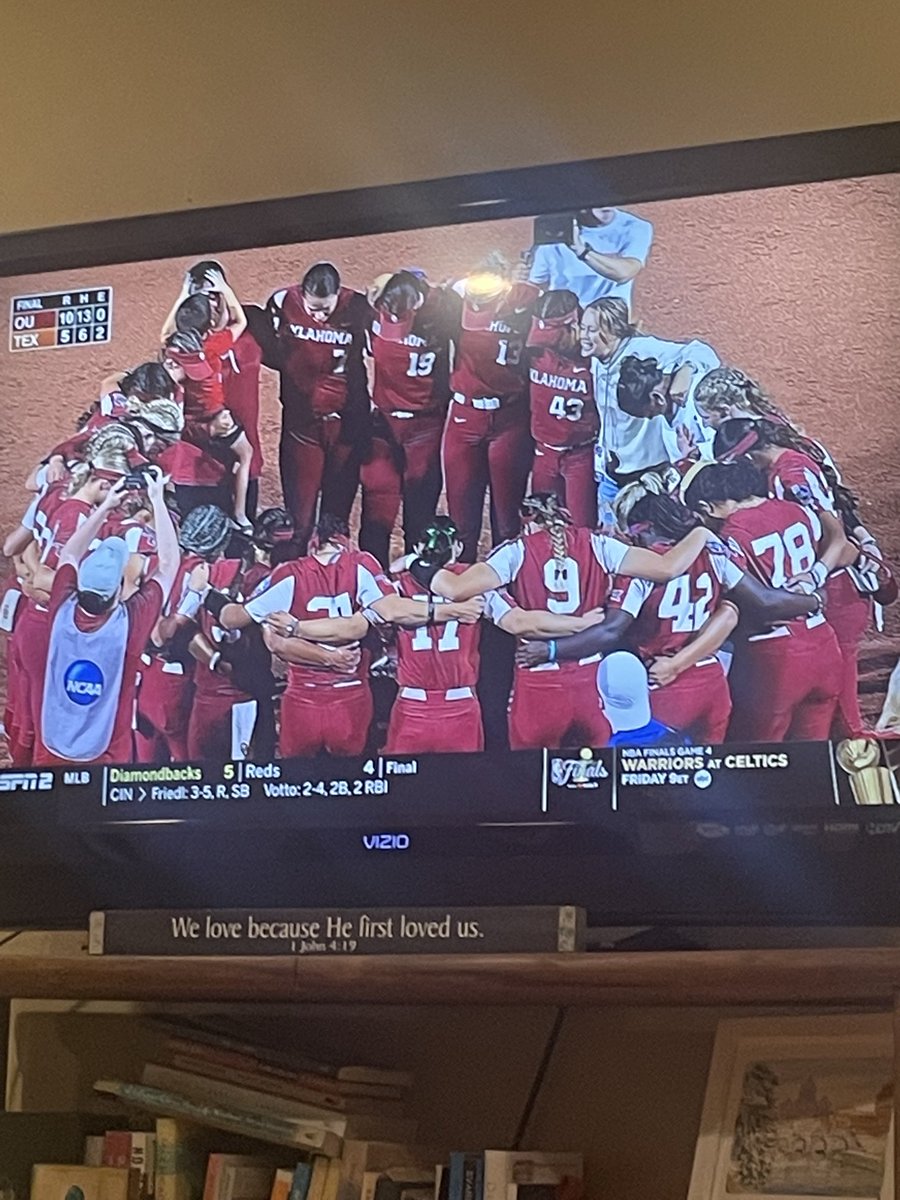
(849, 976)
(633, 1053)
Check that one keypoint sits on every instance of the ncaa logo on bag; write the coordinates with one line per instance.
(83, 682)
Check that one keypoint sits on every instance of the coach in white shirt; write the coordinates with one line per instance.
(631, 444)
(608, 249)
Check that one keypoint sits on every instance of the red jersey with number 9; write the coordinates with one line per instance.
(563, 411)
(491, 343)
(668, 615)
(777, 538)
(436, 657)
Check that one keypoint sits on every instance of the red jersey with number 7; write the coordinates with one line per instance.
(436, 657)
(561, 392)
(489, 352)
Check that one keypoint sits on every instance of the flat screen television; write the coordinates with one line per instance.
(517, 538)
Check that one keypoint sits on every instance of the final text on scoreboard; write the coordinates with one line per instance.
(48, 320)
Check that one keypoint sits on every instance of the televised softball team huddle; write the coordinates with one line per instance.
(673, 561)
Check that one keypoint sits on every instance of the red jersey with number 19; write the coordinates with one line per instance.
(411, 357)
(563, 412)
(436, 657)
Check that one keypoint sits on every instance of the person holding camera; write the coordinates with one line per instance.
(596, 252)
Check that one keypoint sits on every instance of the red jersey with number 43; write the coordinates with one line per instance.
(490, 345)
(561, 391)
(412, 357)
(668, 615)
(319, 360)
(436, 657)
(778, 539)
(310, 590)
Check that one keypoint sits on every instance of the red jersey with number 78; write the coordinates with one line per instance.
(436, 657)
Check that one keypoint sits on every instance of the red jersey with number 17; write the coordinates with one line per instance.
(668, 615)
(490, 345)
(310, 590)
(436, 657)
(561, 391)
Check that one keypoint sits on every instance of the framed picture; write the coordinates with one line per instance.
(798, 1106)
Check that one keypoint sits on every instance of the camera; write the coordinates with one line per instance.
(556, 229)
(138, 477)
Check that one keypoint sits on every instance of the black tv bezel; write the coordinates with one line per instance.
(53, 878)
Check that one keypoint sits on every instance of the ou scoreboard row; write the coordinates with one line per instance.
(48, 320)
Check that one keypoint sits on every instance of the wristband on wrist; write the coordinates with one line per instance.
(215, 601)
(551, 650)
(215, 660)
(819, 573)
(584, 253)
(429, 619)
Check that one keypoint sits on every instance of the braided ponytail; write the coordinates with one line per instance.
(545, 510)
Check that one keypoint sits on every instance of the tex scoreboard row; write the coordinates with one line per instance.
(48, 320)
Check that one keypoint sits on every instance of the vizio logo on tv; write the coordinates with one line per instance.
(83, 682)
(386, 841)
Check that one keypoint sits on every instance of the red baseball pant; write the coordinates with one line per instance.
(786, 688)
(333, 718)
(403, 465)
(482, 448)
(163, 709)
(435, 726)
(697, 703)
(569, 475)
(556, 708)
(313, 462)
(849, 614)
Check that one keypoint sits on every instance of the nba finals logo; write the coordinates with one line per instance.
(83, 682)
(581, 772)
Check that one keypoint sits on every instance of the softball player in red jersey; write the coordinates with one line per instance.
(784, 680)
(319, 330)
(223, 715)
(410, 347)
(792, 473)
(564, 421)
(487, 440)
(323, 709)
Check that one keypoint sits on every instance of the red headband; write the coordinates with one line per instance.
(545, 331)
(747, 442)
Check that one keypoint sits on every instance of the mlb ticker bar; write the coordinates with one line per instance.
(49, 320)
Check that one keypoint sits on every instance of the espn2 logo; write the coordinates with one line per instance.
(385, 841)
(26, 781)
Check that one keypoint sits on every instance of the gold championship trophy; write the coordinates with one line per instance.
(870, 781)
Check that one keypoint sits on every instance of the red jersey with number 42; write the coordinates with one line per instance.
(668, 615)
(310, 590)
(778, 539)
(490, 346)
(316, 358)
(561, 391)
(436, 657)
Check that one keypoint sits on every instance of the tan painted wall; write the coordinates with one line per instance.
(112, 109)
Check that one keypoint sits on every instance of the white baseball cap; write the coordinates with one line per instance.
(101, 571)
(624, 686)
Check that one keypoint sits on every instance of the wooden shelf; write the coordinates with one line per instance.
(867, 976)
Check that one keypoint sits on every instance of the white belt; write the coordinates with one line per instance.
(485, 403)
(812, 622)
(555, 666)
(167, 668)
(401, 414)
(457, 693)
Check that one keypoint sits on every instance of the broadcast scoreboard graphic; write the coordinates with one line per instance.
(46, 321)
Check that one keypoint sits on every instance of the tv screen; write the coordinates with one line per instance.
(418, 557)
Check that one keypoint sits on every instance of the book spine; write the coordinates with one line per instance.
(117, 1148)
(308, 931)
(300, 1182)
(93, 1150)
